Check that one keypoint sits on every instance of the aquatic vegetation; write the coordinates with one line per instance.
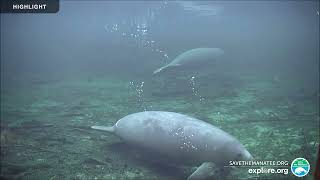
(8, 138)
(63, 140)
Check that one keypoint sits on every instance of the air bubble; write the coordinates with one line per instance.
(195, 91)
(137, 88)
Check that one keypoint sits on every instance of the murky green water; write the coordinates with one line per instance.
(45, 131)
(93, 62)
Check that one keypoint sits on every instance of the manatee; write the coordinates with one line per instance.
(193, 58)
(180, 137)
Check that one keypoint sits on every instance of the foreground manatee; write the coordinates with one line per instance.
(180, 137)
(193, 58)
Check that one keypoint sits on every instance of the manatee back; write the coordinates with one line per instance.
(197, 55)
(144, 126)
(178, 136)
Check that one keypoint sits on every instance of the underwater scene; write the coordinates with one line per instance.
(161, 90)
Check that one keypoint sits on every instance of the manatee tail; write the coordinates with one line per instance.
(104, 128)
(166, 68)
(162, 69)
(158, 70)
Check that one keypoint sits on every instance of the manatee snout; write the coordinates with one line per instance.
(243, 155)
(235, 151)
(246, 156)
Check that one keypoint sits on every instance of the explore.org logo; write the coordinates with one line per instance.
(300, 167)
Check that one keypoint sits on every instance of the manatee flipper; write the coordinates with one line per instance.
(203, 171)
(104, 128)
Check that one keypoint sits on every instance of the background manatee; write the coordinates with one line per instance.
(182, 138)
(193, 58)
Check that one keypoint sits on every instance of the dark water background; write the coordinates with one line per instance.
(92, 63)
(277, 36)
